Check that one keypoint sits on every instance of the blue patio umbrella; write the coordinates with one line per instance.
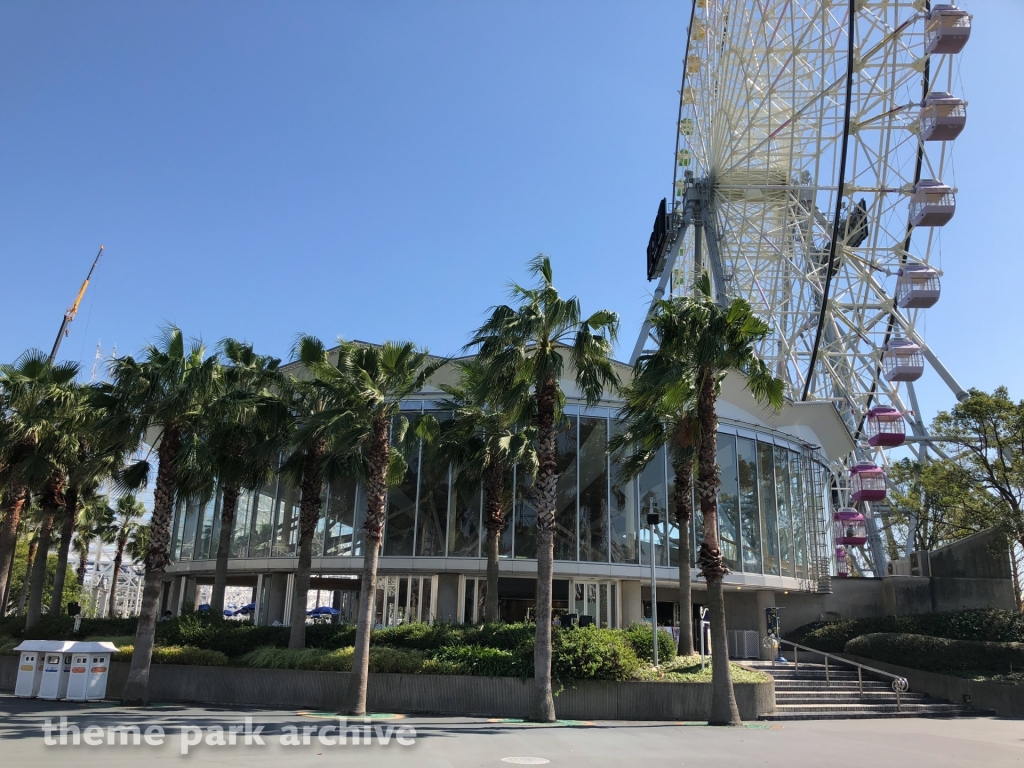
(245, 610)
(323, 610)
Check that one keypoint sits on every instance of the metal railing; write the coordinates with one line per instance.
(899, 684)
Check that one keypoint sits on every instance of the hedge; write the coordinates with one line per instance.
(989, 625)
(939, 654)
(382, 659)
(590, 653)
(478, 660)
(177, 654)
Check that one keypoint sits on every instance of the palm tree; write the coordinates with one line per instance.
(95, 523)
(242, 438)
(168, 391)
(319, 453)
(660, 410)
(30, 391)
(370, 383)
(716, 340)
(529, 343)
(128, 518)
(482, 441)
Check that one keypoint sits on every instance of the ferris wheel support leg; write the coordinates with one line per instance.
(959, 392)
(659, 292)
(714, 256)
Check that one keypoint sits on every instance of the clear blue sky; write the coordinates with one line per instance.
(381, 170)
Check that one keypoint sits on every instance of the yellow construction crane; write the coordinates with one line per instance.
(73, 309)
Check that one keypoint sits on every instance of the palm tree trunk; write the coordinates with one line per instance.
(83, 563)
(376, 500)
(309, 515)
(67, 533)
(28, 570)
(50, 504)
(542, 709)
(723, 698)
(9, 536)
(136, 689)
(683, 500)
(116, 574)
(227, 523)
(494, 486)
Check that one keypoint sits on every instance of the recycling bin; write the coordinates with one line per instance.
(90, 665)
(56, 669)
(32, 663)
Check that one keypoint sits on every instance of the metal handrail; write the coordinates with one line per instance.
(899, 684)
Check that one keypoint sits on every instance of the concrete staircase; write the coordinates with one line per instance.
(804, 695)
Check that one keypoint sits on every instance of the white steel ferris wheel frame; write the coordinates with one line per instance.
(784, 128)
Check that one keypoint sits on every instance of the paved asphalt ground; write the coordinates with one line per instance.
(471, 742)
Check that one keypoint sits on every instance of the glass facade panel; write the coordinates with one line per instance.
(243, 522)
(796, 503)
(565, 506)
(432, 515)
(525, 518)
(465, 532)
(188, 541)
(750, 514)
(785, 513)
(593, 463)
(206, 546)
(401, 525)
(653, 498)
(259, 542)
(286, 526)
(507, 535)
(770, 522)
(728, 502)
(341, 502)
(622, 506)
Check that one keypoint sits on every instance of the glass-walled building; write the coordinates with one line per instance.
(772, 530)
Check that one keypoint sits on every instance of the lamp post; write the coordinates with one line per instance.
(652, 520)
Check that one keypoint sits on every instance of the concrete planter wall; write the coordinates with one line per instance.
(434, 694)
(1003, 699)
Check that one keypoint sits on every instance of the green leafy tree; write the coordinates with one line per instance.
(487, 435)
(716, 340)
(532, 342)
(164, 397)
(96, 523)
(988, 431)
(661, 410)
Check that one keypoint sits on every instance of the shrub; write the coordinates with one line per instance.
(508, 637)
(269, 657)
(638, 635)
(422, 636)
(939, 654)
(330, 636)
(382, 659)
(231, 638)
(590, 653)
(12, 626)
(7, 645)
(178, 654)
(983, 625)
(62, 627)
(478, 660)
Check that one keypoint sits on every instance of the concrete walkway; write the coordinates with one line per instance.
(466, 743)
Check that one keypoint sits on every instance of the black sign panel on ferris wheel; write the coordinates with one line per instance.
(656, 245)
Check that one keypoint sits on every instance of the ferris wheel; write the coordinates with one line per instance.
(813, 179)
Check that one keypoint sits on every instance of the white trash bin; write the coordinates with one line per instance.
(90, 665)
(30, 667)
(56, 669)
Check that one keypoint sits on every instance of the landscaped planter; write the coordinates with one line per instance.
(1002, 698)
(434, 694)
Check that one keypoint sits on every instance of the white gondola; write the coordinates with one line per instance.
(902, 360)
(932, 203)
(917, 286)
(943, 117)
(946, 29)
